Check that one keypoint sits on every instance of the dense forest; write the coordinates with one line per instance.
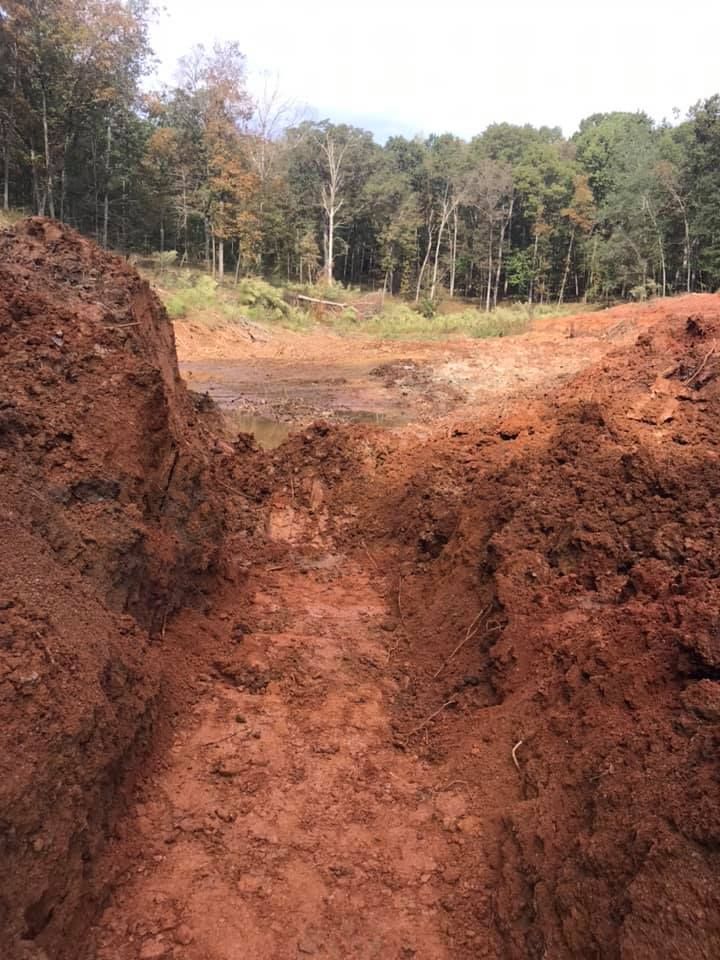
(623, 208)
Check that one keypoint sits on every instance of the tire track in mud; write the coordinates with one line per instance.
(284, 821)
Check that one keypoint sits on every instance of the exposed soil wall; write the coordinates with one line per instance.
(108, 523)
(583, 533)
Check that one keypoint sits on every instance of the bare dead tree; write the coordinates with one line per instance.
(333, 155)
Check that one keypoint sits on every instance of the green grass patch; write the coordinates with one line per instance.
(10, 217)
(193, 295)
(399, 321)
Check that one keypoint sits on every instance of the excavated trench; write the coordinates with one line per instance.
(357, 696)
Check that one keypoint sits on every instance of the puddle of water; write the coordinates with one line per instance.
(268, 433)
(271, 433)
(370, 416)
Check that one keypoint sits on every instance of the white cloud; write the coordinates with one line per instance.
(398, 66)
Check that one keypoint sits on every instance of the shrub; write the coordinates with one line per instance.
(253, 292)
(199, 294)
(427, 308)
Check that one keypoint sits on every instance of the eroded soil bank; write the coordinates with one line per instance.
(446, 691)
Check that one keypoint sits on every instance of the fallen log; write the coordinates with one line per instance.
(324, 303)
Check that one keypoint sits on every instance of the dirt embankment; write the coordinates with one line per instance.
(109, 523)
(558, 593)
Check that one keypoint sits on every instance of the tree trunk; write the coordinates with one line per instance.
(454, 253)
(661, 245)
(48, 167)
(39, 203)
(567, 267)
(330, 245)
(8, 127)
(424, 263)
(441, 230)
(591, 280)
(501, 246)
(221, 260)
(184, 218)
(664, 271)
(63, 179)
(329, 197)
(532, 275)
(6, 174)
(490, 271)
(106, 202)
(63, 188)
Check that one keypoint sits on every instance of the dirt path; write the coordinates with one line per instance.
(284, 821)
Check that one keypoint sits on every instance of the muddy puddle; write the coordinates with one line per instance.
(271, 401)
(268, 433)
(271, 433)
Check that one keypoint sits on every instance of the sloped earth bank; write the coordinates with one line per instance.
(363, 696)
(109, 522)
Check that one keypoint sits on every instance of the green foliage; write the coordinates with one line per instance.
(255, 292)
(349, 316)
(427, 307)
(643, 291)
(192, 295)
(198, 168)
(9, 217)
(197, 294)
(399, 321)
(165, 259)
(520, 271)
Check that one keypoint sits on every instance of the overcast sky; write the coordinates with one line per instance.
(415, 66)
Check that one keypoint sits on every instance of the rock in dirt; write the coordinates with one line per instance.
(152, 950)
(183, 935)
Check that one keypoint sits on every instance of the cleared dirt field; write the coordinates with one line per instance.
(262, 376)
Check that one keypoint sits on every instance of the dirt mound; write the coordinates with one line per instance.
(109, 523)
(574, 558)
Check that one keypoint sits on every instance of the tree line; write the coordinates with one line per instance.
(625, 207)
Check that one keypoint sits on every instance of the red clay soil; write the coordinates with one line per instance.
(108, 524)
(559, 593)
(366, 696)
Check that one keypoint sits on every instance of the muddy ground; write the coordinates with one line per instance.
(273, 382)
(446, 690)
